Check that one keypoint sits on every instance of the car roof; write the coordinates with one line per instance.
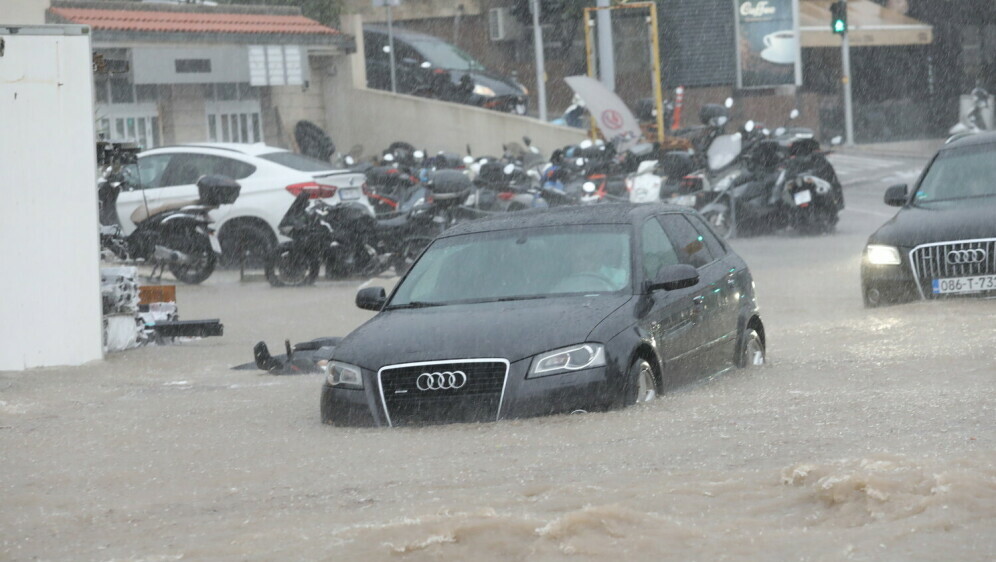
(254, 149)
(606, 213)
(971, 140)
(404, 34)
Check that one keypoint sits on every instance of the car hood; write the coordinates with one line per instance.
(966, 219)
(510, 330)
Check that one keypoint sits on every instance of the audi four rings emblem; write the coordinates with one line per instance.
(446, 380)
(961, 257)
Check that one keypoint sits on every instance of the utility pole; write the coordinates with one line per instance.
(606, 58)
(390, 45)
(540, 63)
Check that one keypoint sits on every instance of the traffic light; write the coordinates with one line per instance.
(838, 17)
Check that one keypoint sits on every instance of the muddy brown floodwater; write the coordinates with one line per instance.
(869, 436)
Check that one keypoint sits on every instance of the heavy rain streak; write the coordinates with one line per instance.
(782, 347)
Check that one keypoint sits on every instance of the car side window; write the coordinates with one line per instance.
(716, 246)
(657, 248)
(186, 169)
(150, 170)
(689, 244)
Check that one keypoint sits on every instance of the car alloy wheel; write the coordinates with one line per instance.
(752, 352)
(642, 383)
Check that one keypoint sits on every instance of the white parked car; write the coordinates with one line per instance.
(270, 177)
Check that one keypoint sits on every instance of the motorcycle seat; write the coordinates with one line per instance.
(142, 212)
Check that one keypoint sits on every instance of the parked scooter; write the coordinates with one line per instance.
(975, 120)
(177, 236)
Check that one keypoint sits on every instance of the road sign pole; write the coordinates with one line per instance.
(540, 63)
(845, 65)
(390, 43)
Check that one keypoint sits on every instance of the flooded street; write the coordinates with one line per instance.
(870, 435)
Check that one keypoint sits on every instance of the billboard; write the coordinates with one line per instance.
(768, 46)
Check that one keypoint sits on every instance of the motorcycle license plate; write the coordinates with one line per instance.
(973, 284)
(803, 197)
(349, 193)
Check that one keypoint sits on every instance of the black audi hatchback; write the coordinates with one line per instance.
(540, 312)
(942, 242)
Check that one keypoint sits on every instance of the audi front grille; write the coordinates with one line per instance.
(468, 390)
(931, 261)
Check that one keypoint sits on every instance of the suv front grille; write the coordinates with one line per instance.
(931, 261)
(441, 398)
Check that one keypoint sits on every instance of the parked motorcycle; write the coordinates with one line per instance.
(975, 120)
(177, 236)
(349, 242)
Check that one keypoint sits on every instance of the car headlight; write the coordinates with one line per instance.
(483, 91)
(567, 359)
(882, 255)
(343, 375)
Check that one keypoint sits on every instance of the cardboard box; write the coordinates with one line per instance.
(148, 294)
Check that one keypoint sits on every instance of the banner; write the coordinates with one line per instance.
(768, 51)
(613, 117)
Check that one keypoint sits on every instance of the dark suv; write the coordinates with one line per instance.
(428, 66)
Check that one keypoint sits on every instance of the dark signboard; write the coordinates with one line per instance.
(767, 34)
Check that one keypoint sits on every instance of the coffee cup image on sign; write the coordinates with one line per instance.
(780, 47)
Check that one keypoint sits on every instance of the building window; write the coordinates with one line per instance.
(146, 93)
(122, 91)
(192, 65)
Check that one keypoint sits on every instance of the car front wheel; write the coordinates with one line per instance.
(751, 350)
(641, 382)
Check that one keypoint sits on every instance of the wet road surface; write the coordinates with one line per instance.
(869, 436)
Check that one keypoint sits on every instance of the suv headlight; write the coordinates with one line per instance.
(882, 255)
(567, 359)
(343, 375)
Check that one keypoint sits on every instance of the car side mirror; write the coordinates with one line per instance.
(671, 277)
(896, 195)
(371, 298)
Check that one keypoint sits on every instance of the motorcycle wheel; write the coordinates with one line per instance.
(198, 248)
(289, 266)
(720, 221)
(356, 260)
(410, 251)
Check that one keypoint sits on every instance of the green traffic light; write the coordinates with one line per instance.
(839, 26)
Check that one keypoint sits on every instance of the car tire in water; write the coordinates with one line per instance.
(288, 266)
(641, 383)
(750, 350)
(198, 248)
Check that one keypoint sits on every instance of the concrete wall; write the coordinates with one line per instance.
(284, 106)
(23, 11)
(50, 309)
(182, 113)
(376, 118)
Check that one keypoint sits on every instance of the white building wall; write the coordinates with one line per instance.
(50, 309)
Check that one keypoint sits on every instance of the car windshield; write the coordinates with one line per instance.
(444, 55)
(519, 264)
(959, 174)
(298, 162)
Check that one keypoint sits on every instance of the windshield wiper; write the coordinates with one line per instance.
(414, 304)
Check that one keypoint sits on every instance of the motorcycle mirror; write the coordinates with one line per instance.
(780, 131)
(836, 140)
(468, 159)
(588, 187)
(508, 169)
(793, 114)
(728, 103)
(527, 140)
(749, 126)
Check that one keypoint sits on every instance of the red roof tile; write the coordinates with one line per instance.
(180, 22)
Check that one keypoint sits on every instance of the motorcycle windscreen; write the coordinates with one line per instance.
(723, 150)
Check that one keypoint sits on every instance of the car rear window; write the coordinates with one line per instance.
(298, 162)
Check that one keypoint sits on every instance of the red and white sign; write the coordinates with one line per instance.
(611, 114)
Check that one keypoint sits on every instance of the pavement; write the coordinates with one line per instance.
(920, 148)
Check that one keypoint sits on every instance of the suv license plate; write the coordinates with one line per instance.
(349, 194)
(685, 200)
(974, 284)
(803, 197)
